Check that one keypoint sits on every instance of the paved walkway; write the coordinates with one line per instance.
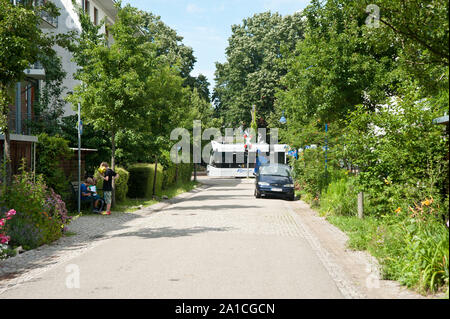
(216, 242)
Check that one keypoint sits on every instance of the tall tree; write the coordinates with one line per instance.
(254, 66)
(22, 43)
(335, 68)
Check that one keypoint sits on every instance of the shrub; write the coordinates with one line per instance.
(41, 213)
(121, 183)
(140, 183)
(309, 172)
(169, 176)
(340, 198)
(185, 172)
(50, 151)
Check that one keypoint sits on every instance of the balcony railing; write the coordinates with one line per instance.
(48, 21)
(36, 71)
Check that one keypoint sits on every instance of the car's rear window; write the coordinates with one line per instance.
(279, 170)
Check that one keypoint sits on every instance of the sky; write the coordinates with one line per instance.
(205, 25)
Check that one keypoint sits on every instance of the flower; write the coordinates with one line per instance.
(4, 239)
(398, 210)
(427, 202)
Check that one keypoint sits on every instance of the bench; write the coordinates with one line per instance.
(84, 203)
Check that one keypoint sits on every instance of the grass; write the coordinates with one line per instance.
(360, 231)
(131, 205)
(413, 253)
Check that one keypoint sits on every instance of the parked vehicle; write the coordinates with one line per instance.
(233, 160)
(274, 180)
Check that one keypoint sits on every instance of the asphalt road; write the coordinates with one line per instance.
(221, 243)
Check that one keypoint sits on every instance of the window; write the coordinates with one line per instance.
(87, 7)
(95, 16)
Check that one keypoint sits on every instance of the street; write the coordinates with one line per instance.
(219, 243)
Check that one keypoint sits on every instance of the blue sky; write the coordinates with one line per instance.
(206, 25)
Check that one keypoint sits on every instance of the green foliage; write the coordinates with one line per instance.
(41, 214)
(121, 183)
(400, 152)
(412, 246)
(340, 198)
(140, 183)
(255, 64)
(169, 177)
(185, 172)
(309, 172)
(91, 139)
(22, 43)
(51, 151)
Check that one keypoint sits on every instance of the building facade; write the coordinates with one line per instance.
(68, 21)
(26, 93)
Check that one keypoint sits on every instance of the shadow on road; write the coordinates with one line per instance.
(169, 232)
(211, 207)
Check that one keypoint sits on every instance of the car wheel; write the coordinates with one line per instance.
(291, 198)
(257, 194)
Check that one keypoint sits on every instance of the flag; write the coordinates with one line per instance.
(259, 161)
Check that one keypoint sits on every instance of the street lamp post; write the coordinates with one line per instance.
(79, 157)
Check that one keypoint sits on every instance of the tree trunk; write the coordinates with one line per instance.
(113, 166)
(7, 150)
(155, 176)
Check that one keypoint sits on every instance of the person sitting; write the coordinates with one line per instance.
(90, 195)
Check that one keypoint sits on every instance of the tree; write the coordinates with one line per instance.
(335, 68)
(254, 66)
(22, 43)
(420, 29)
(130, 88)
(115, 77)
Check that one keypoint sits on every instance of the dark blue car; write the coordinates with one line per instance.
(274, 180)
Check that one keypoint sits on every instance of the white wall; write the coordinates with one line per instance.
(68, 21)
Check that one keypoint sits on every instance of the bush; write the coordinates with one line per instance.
(411, 245)
(169, 176)
(309, 172)
(340, 198)
(140, 183)
(121, 183)
(185, 172)
(413, 252)
(50, 151)
(41, 213)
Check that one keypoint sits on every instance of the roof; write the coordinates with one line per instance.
(240, 148)
(21, 138)
(441, 120)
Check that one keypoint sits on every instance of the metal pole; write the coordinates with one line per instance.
(79, 158)
(361, 205)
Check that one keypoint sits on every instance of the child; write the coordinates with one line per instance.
(87, 194)
(108, 176)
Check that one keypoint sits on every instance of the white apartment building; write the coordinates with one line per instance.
(25, 93)
(68, 21)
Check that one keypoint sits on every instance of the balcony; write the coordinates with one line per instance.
(36, 71)
(47, 22)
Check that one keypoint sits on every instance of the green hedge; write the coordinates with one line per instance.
(185, 172)
(140, 184)
(169, 177)
(121, 183)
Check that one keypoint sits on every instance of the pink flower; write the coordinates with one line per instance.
(4, 239)
(11, 213)
(2, 222)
